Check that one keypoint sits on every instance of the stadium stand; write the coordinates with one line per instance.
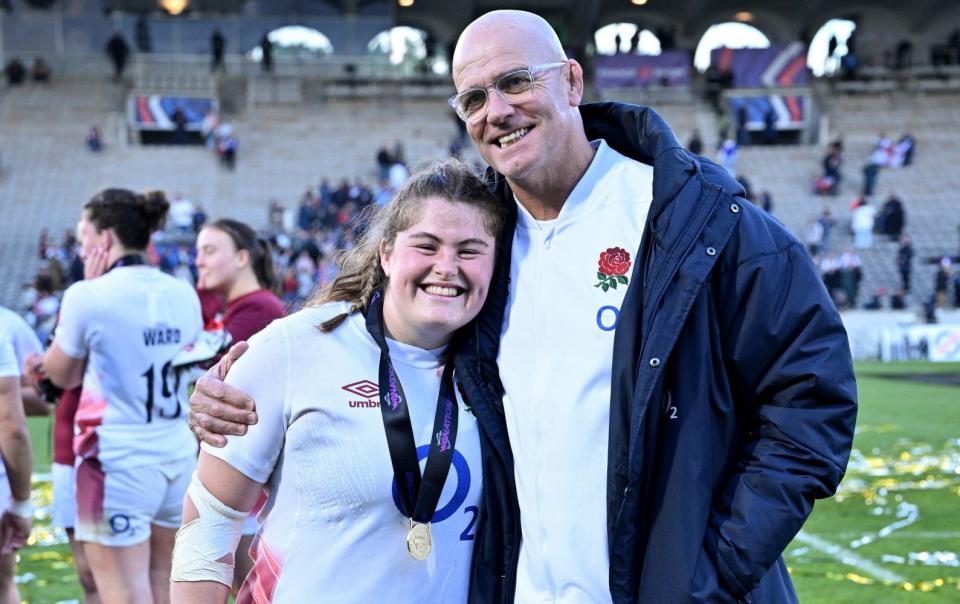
(297, 144)
(283, 150)
(310, 119)
(332, 115)
(928, 186)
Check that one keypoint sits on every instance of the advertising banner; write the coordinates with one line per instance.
(156, 112)
(790, 110)
(938, 343)
(670, 68)
(778, 66)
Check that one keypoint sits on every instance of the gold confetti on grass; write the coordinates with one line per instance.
(859, 579)
(883, 481)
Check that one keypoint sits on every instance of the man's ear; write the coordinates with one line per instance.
(575, 83)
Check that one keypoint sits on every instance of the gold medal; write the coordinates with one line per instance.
(419, 541)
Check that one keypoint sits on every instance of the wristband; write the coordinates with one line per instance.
(23, 509)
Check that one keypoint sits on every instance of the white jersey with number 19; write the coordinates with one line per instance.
(129, 324)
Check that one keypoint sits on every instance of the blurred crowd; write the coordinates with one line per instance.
(872, 221)
(303, 240)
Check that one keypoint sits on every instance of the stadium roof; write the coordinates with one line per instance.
(576, 20)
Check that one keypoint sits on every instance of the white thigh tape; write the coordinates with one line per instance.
(203, 543)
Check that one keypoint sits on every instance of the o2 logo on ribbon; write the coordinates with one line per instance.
(459, 496)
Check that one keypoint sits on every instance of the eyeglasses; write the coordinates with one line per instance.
(514, 87)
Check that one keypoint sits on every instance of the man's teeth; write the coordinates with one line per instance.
(450, 292)
(513, 136)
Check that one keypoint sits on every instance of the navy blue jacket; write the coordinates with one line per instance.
(733, 399)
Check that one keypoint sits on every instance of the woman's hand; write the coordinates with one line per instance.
(95, 263)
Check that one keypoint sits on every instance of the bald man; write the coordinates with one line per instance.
(662, 382)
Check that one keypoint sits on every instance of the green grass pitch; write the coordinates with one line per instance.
(891, 535)
(896, 518)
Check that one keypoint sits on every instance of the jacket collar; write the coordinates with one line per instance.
(641, 134)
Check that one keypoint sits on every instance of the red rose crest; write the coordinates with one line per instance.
(612, 268)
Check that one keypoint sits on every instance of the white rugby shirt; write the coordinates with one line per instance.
(332, 530)
(129, 324)
(568, 279)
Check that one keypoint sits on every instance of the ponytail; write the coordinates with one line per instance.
(154, 206)
(263, 267)
(132, 217)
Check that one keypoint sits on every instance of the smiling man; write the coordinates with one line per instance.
(676, 385)
(576, 200)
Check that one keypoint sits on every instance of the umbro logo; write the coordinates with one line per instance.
(364, 388)
(367, 390)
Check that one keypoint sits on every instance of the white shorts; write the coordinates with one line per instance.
(117, 509)
(64, 509)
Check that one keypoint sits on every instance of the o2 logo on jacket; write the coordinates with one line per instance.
(612, 268)
(462, 470)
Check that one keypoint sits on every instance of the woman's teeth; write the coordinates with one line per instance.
(450, 292)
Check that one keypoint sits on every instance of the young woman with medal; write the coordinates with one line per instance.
(370, 457)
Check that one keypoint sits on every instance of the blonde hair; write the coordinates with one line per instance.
(360, 272)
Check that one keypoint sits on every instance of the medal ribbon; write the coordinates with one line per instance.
(419, 496)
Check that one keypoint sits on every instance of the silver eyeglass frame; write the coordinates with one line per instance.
(533, 70)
